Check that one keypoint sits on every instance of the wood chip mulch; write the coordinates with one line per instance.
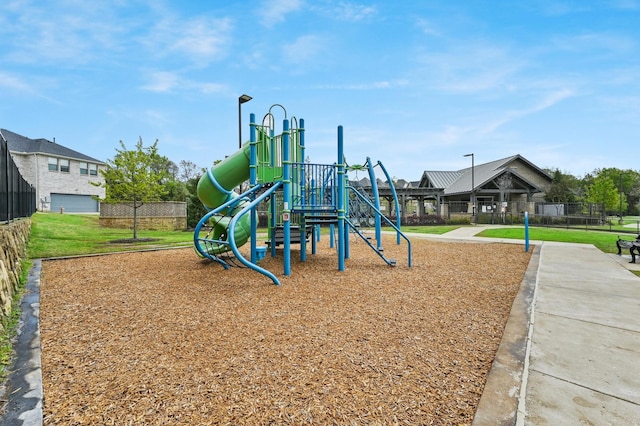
(165, 338)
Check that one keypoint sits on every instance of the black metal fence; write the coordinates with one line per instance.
(590, 216)
(17, 196)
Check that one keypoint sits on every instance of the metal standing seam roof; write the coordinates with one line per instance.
(442, 179)
(21, 144)
(483, 173)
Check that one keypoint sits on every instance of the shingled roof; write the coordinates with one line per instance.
(23, 145)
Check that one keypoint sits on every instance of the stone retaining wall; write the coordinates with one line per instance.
(159, 216)
(13, 249)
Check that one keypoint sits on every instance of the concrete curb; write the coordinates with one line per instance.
(499, 401)
(24, 385)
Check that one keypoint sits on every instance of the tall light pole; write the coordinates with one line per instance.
(473, 187)
(242, 99)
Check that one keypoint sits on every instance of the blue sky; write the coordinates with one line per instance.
(416, 84)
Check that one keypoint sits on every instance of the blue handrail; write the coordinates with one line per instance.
(247, 208)
(383, 217)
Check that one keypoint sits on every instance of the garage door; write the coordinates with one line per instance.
(73, 203)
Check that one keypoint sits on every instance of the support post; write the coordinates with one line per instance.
(526, 231)
(253, 181)
(300, 182)
(286, 195)
(340, 179)
(375, 195)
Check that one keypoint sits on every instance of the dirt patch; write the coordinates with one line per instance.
(133, 240)
(166, 338)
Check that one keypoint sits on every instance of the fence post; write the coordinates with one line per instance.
(526, 231)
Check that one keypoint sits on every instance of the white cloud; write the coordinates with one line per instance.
(451, 135)
(162, 82)
(349, 11)
(63, 33)
(171, 82)
(201, 40)
(14, 83)
(375, 85)
(593, 42)
(546, 102)
(469, 68)
(273, 12)
(428, 27)
(303, 49)
(156, 118)
(626, 4)
(206, 88)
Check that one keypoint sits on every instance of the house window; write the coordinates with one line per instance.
(64, 165)
(84, 169)
(53, 164)
(93, 169)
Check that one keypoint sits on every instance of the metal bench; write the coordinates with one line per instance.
(632, 245)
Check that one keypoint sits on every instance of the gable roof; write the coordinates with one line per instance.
(439, 179)
(21, 144)
(459, 182)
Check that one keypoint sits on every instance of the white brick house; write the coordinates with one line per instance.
(62, 177)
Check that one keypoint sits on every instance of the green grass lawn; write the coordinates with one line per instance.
(54, 235)
(605, 241)
(439, 229)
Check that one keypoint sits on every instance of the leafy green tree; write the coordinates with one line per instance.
(603, 191)
(175, 191)
(174, 188)
(633, 196)
(133, 177)
(195, 209)
(626, 182)
(564, 188)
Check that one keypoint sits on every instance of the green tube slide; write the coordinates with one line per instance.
(216, 188)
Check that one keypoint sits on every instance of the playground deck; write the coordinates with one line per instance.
(165, 338)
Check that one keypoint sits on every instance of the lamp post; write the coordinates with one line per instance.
(242, 99)
(473, 187)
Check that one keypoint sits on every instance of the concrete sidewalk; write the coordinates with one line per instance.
(570, 353)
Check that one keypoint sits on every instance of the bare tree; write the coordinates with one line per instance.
(188, 170)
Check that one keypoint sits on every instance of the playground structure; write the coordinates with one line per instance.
(302, 198)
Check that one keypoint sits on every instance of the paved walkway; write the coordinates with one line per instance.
(570, 353)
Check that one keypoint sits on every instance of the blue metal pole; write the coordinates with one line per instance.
(395, 199)
(315, 234)
(526, 231)
(376, 202)
(253, 181)
(347, 242)
(286, 208)
(301, 179)
(274, 201)
(332, 232)
(303, 185)
(340, 178)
